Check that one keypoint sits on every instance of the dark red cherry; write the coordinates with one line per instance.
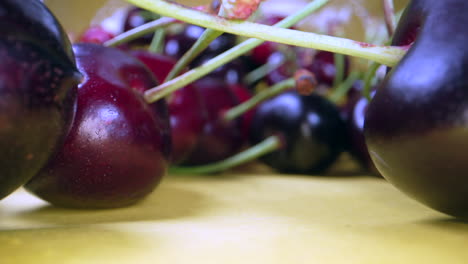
(262, 52)
(311, 128)
(187, 114)
(219, 139)
(38, 80)
(118, 148)
(95, 34)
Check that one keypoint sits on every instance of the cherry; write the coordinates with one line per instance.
(187, 114)
(219, 139)
(38, 80)
(118, 148)
(416, 123)
(357, 144)
(243, 94)
(311, 128)
(95, 34)
(322, 64)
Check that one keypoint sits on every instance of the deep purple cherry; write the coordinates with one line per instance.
(38, 80)
(416, 124)
(311, 129)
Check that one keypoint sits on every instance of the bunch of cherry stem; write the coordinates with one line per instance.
(381, 55)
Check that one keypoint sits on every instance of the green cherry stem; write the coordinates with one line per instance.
(340, 91)
(389, 15)
(259, 97)
(200, 45)
(157, 43)
(368, 77)
(169, 87)
(260, 72)
(142, 30)
(339, 60)
(382, 54)
(268, 145)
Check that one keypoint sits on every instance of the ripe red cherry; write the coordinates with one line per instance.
(118, 148)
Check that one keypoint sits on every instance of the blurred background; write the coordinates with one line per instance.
(360, 20)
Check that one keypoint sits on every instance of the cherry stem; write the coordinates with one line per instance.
(200, 45)
(383, 54)
(266, 146)
(260, 72)
(389, 15)
(259, 97)
(368, 77)
(137, 32)
(339, 60)
(157, 43)
(169, 87)
(273, 62)
(340, 91)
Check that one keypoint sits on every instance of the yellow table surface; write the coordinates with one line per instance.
(238, 217)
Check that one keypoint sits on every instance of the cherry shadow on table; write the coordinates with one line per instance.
(169, 201)
(448, 223)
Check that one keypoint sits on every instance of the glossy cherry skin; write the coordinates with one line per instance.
(219, 139)
(186, 111)
(38, 80)
(416, 124)
(311, 128)
(118, 148)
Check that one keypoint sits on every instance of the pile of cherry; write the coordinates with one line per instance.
(100, 144)
(77, 131)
